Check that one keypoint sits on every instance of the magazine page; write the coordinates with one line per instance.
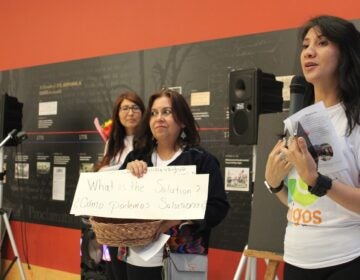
(314, 124)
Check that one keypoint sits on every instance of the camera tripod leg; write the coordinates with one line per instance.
(3, 213)
(13, 245)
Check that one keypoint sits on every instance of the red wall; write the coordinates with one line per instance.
(47, 246)
(40, 32)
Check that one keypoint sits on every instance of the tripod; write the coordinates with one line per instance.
(4, 214)
(249, 257)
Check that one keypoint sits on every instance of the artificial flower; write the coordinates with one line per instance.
(103, 129)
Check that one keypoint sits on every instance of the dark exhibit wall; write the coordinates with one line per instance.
(61, 101)
(60, 104)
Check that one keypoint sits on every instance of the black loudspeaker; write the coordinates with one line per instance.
(251, 93)
(10, 117)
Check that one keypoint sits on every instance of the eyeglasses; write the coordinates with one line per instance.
(163, 112)
(126, 109)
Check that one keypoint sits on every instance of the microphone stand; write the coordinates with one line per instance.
(4, 214)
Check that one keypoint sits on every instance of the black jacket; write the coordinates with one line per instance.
(217, 204)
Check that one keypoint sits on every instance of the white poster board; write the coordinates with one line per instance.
(166, 193)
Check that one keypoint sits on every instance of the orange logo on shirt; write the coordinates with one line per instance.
(304, 216)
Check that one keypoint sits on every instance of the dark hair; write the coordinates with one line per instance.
(182, 115)
(345, 35)
(117, 133)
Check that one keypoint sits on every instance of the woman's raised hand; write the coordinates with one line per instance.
(277, 165)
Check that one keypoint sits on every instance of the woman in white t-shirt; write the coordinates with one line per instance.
(322, 239)
(126, 116)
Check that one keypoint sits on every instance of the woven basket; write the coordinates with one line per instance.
(120, 232)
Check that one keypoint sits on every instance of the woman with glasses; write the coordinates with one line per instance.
(168, 135)
(126, 116)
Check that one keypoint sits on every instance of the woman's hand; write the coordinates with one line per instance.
(277, 165)
(165, 225)
(305, 165)
(137, 168)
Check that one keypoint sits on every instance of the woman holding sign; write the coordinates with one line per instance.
(126, 116)
(322, 239)
(169, 136)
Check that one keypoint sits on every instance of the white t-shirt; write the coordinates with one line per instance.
(117, 161)
(320, 232)
(115, 164)
(133, 258)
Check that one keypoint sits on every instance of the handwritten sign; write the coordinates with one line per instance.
(168, 193)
